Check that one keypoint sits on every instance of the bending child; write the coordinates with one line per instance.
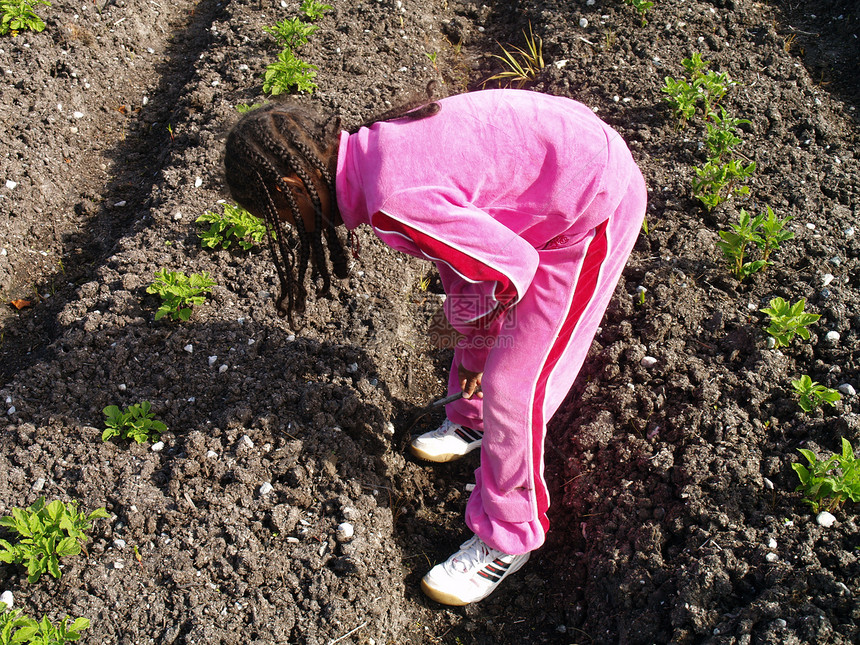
(529, 206)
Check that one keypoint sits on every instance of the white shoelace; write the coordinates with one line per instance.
(473, 553)
(443, 429)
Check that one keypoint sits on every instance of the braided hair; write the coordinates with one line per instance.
(269, 145)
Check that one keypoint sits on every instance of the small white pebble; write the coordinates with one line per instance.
(389, 427)
(177, 217)
(121, 387)
(198, 182)
(832, 336)
(266, 488)
(345, 531)
(771, 544)
(323, 548)
(825, 519)
(648, 361)
(211, 454)
(847, 389)
(189, 348)
(73, 130)
(11, 185)
(583, 22)
(118, 565)
(8, 598)
(771, 557)
(78, 115)
(826, 279)
(849, 232)
(158, 446)
(212, 360)
(39, 484)
(119, 543)
(293, 540)
(590, 3)
(470, 488)
(11, 410)
(771, 342)
(246, 440)
(120, 204)
(810, 226)
(223, 369)
(767, 483)
(251, 341)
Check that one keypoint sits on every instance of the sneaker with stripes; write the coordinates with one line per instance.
(447, 442)
(471, 574)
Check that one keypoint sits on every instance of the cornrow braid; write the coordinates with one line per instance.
(265, 148)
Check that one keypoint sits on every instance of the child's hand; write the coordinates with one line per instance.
(442, 334)
(470, 382)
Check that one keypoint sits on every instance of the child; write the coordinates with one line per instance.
(529, 206)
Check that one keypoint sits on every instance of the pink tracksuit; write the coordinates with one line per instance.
(529, 206)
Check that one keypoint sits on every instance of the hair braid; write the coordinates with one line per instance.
(278, 141)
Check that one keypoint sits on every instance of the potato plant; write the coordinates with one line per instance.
(20, 15)
(179, 292)
(788, 320)
(829, 483)
(47, 533)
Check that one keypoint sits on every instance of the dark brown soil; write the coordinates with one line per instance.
(674, 518)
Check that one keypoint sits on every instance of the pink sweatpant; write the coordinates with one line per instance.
(532, 367)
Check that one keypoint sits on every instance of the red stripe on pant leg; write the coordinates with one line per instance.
(582, 296)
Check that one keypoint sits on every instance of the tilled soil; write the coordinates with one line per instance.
(674, 513)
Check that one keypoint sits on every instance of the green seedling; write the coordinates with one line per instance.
(291, 33)
(695, 65)
(683, 98)
(707, 87)
(16, 628)
(829, 483)
(735, 243)
(289, 72)
(235, 223)
(765, 231)
(243, 108)
(20, 15)
(523, 65)
(642, 6)
(715, 182)
(179, 292)
(135, 422)
(47, 533)
(788, 321)
(722, 134)
(712, 86)
(774, 234)
(49, 634)
(432, 56)
(314, 10)
(812, 394)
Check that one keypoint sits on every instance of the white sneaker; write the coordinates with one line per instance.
(447, 442)
(471, 574)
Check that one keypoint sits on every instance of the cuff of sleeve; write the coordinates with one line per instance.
(473, 357)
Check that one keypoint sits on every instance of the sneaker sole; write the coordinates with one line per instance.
(442, 597)
(438, 459)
